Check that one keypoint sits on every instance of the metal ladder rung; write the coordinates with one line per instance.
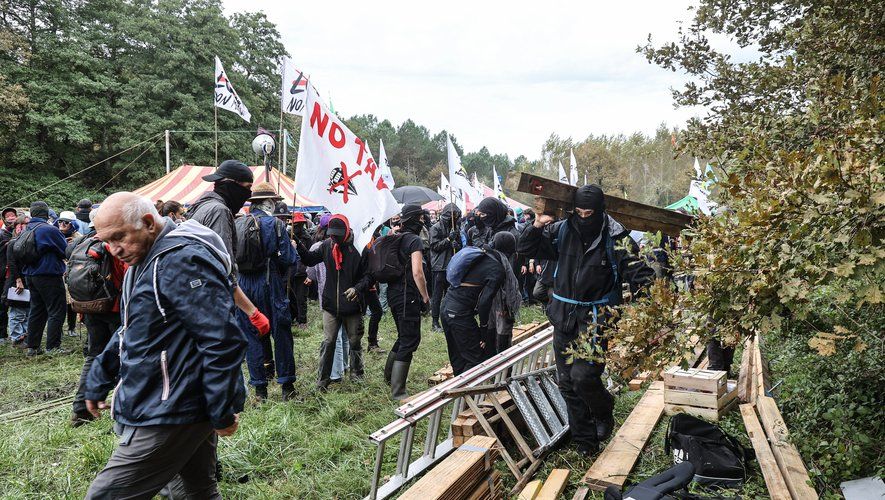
(556, 396)
(543, 404)
(528, 413)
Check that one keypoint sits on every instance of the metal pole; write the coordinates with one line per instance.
(216, 135)
(285, 149)
(167, 151)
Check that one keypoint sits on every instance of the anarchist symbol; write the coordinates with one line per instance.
(342, 183)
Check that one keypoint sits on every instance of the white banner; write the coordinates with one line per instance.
(573, 168)
(336, 169)
(458, 177)
(294, 90)
(386, 173)
(444, 189)
(225, 95)
(496, 185)
(563, 177)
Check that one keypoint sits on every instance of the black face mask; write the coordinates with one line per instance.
(233, 193)
(298, 229)
(337, 239)
(589, 227)
(413, 225)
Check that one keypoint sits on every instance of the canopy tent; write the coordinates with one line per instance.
(185, 185)
(486, 191)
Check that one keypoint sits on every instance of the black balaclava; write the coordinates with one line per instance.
(411, 218)
(40, 209)
(450, 215)
(233, 193)
(504, 242)
(84, 206)
(495, 211)
(589, 197)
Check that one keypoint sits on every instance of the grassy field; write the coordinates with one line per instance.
(314, 447)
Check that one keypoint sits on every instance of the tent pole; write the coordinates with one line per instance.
(285, 135)
(167, 151)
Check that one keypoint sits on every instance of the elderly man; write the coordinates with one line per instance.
(176, 361)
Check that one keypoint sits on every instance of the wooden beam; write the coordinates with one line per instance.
(530, 492)
(581, 493)
(554, 485)
(774, 480)
(555, 198)
(617, 460)
(787, 456)
(745, 376)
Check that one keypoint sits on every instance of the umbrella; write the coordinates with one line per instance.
(415, 194)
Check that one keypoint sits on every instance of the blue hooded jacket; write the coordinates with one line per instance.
(51, 247)
(177, 357)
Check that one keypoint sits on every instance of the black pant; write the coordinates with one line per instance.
(72, 318)
(99, 330)
(298, 299)
(375, 313)
(463, 338)
(4, 319)
(406, 312)
(47, 310)
(581, 386)
(721, 358)
(440, 285)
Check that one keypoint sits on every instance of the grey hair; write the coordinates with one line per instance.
(136, 209)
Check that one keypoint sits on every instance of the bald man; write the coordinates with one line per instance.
(175, 364)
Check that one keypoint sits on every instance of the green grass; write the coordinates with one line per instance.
(314, 447)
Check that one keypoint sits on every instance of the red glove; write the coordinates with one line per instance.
(260, 322)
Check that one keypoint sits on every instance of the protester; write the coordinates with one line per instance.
(477, 279)
(15, 282)
(67, 224)
(216, 209)
(506, 303)
(491, 217)
(102, 303)
(444, 242)
(264, 257)
(9, 216)
(173, 210)
(84, 208)
(346, 281)
(587, 279)
(179, 384)
(406, 299)
(43, 267)
(373, 304)
(298, 282)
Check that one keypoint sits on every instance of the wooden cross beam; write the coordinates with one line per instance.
(555, 198)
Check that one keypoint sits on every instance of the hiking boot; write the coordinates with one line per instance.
(20, 343)
(34, 352)
(57, 351)
(79, 418)
(587, 450)
(288, 391)
(72, 333)
(375, 349)
(604, 427)
(261, 392)
(436, 327)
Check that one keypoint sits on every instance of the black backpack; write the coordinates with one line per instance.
(24, 247)
(718, 459)
(250, 250)
(384, 259)
(89, 278)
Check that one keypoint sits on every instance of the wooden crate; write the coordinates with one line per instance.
(695, 379)
(707, 405)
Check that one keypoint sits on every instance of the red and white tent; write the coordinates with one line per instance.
(185, 185)
(487, 192)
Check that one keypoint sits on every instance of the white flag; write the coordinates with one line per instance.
(573, 169)
(563, 177)
(461, 187)
(585, 180)
(225, 95)
(697, 169)
(496, 185)
(294, 88)
(444, 188)
(336, 169)
(386, 174)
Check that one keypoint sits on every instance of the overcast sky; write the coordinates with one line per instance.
(501, 74)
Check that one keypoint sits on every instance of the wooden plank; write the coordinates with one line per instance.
(774, 480)
(745, 376)
(617, 460)
(458, 474)
(693, 378)
(581, 493)
(787, 456)
(531, 490)
(554, 485)
(761, 370)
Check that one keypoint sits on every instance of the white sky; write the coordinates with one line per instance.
(500, 74)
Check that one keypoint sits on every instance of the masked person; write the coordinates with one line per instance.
(298, 281)
(406, 299)
(506, 303)
(590, 267)
(346, 281)
(445, 240)
(264, 257)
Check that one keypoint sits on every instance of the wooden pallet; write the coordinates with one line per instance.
(706, 405)
(460, 475)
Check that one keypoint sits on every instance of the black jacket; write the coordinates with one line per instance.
(584, 276)
(442, 247)
(352, 274)
(477, 237)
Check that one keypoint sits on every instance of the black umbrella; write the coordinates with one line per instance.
(415, 194)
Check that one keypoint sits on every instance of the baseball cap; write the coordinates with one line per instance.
(230, 169)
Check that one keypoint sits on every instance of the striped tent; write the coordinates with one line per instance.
(185, 185)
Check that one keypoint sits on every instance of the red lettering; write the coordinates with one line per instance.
(338, 141)
(381, 184)
(371, 167)
(317, 117)
(359, 156)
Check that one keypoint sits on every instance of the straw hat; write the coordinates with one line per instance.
(264, 191)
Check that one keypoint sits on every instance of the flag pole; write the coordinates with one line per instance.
(216, 134)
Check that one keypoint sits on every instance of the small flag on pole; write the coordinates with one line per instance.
(225, 95)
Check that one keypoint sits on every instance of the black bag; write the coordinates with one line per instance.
(718, 458)
(250, 250)
(384, 259)
(657, 487)
(24, 247)
(89, 278)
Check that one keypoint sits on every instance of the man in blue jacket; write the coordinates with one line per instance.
(175, 363)
(44, 279)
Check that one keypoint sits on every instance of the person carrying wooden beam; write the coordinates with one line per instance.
(590, 267)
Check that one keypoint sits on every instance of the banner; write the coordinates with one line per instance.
(496, 186)
(562, 175)
(461, 187)
(294, 89)
(336, 169)
(225, 95)
(386, 174)
(573, 168)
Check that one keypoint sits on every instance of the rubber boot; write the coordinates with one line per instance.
(288, 391)
(604, 427)
(388, 366)
(398, 376)
(261, 392)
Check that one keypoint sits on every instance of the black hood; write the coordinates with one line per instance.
(449, 212)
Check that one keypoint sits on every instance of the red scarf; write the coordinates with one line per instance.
(337, 255)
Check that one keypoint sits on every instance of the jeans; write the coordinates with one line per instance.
(99, 330)
(340, 363)
(440, 285)
(48, 306)
(284, 359)
(18, 322)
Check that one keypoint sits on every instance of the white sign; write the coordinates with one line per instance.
(294, 90)
(386, 174)
(225, 95)
(336, 169)
(573, 169)
(461, 187)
